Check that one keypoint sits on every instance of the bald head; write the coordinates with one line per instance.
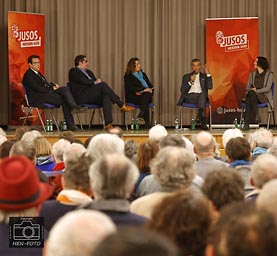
(204, 144)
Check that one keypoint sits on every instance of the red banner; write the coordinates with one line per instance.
(231, 48)
(25, 38)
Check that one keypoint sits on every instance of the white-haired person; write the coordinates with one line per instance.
(76, 192)
(21, 195)
(2, 139)
(263, 140)
(230, 134)
(73, 153)
(263, 169)
(78, 233)
(58, 149)
(102, 144)
(30, 136)
(173, 169)
(157, 132)
(113, 178)
(267, 198)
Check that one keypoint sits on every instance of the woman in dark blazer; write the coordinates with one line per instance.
(138, 89)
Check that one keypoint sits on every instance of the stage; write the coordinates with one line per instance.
(136, 135)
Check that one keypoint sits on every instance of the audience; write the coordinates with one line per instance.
(263, 169)
(116, 131)
(267, 198)
(78, 233)
(263, 140)
(230, 134)
(73, 153)
(67, 135)
(184, 218)
(21, 195)
(2, 132)
(173, 141)
(30, 136)
(2, 139)
(238, 152)
(5, 148)
(45, 161)
(243, 230)
(103, 144)
(19, 132)
(112, 180)
(157, 132)
(222, 187)
(76, 191)
(204, 148)
(172, 170)
(130, 149)
(135, 242)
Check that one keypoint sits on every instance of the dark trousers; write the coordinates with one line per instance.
(197, 98)
(251, 101)
(143, 101)
(62, 97)
(101, 94)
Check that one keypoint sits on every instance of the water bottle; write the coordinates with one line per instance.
(193, 124)
(50, 126)
(176, 122)
(47, 126)
(133, 124)
(64, 125)
(242, 124)
(137, 124)
(236, 123)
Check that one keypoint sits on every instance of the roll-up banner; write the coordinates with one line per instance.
(25, 38)
(231, 48)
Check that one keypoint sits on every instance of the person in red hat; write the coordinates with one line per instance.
(21, 194)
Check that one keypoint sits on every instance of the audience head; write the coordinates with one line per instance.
(263, 169)
(103, 144)
(19, 132)
(113, 177)
(68, 135)
(238, 149)
(157, 132)
(223, 186)
(273, 150)
(21, 192)
(135, 242)
(230, 134)
(30, 136)
(173, 167)
(267, 198)
(42, 146)
(131, 65)
(146, 152)
(130, 149)
(242, 230)
(59, 148)
(116, 131)
(263, 138)
(5, 148)
(78, 233)
(24, 148)
(204, 144)
(2, 132)
(173, 141)
(76, 176)
(73, 153)
(185, 219)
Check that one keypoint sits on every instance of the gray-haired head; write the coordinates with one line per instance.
(157, 132)
(173, 167)
(58, 149)
(103, 144)
(263, 138)
(263, 169)
(173, 140)
(78, 233)
(25, 149)
(73, 153)
(230, 134)
(30, 136)
(113, 177)
(204, 144)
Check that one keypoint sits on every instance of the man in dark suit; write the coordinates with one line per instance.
(194, 89)
(40, 91)
(87, 89)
